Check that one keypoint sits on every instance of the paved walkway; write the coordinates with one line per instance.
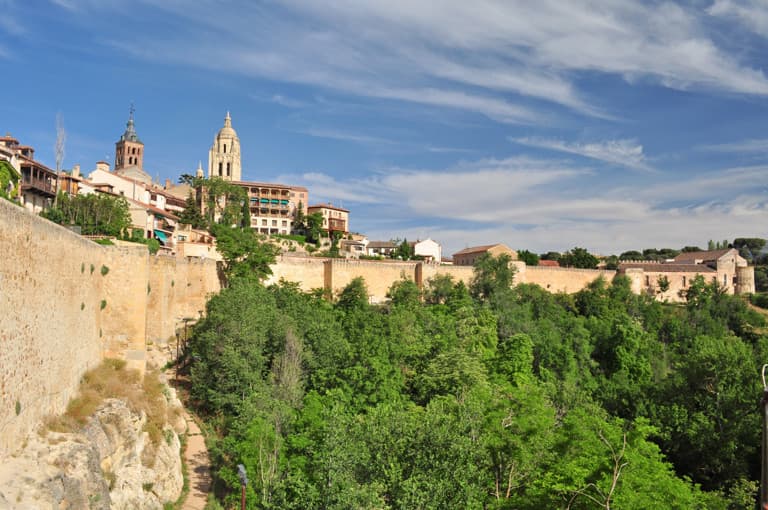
(198, 467)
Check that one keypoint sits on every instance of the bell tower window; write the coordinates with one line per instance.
(227, 169)
(225, 148)
(220, 169)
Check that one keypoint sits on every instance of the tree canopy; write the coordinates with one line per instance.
(493, 397)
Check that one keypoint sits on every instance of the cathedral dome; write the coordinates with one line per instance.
(227, 131)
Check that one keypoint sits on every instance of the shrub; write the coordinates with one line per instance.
(104, 270)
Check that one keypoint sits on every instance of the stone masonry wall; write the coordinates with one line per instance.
(66, 302)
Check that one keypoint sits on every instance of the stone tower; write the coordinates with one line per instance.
(224, 156)
(129, 151)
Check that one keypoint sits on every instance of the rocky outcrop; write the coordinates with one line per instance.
(110, 464)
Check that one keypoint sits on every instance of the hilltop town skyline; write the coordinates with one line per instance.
(491, 130)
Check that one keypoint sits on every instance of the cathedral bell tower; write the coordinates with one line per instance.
(129, 151)
(224, 156)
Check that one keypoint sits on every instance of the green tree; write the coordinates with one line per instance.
(354, 295)
(405, 293)
(492, 275)
(438, 289)
(579, 258)
(244, 254)
(314, 227)
(191, 215)
(749, 247)
(95, 213)
(403, 251)
(9, 181)
(530, 258)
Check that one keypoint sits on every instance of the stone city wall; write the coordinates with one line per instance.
(66, 302)
(562, 279)
(334, 274)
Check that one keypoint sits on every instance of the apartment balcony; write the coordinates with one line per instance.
(40, 186)
(337, 225)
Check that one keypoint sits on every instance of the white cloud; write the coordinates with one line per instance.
(750, 13)
(334, 134)
(489, 56)
(543, 205)
(755, 145)
(287, 101)
(626, 153)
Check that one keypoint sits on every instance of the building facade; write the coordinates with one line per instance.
(670, 280)
(274, 207)
(429, 249)
(468, 256)
(38, 183)
(224, 155)
(335, 219)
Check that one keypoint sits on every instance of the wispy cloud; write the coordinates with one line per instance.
(626, 153)
(287, 101)
(432, 148)
(750, 13)
(544, 204)
(755, 145)
(345, 136)
(491, 57)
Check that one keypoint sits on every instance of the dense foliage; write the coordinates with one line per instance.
(9, 181)
(95, 213)
(481, 396)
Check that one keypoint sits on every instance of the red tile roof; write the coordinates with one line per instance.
(549, 263)
(655, 267)
(328, 206)
(475, 249)
(691, 256)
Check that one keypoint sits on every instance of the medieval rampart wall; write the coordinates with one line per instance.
(66, 302)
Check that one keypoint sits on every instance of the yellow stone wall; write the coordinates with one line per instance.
(60, 313)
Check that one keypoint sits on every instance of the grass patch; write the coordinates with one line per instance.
(111, 379)
(104, 242)
(92, 268)
(103, 304)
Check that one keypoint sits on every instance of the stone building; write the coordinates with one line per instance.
(224, 156)
(39, 183)
(335, 219)
(670, 279)
(468, 256)
(429, 249)
(273, 207)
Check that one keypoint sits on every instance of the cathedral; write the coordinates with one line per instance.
(224, 156)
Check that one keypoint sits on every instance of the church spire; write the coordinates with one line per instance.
(130, 130)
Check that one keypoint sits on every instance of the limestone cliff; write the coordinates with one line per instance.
(111, 463)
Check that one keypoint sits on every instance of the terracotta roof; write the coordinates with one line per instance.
(152, 208)
(475, 249)
(381, 244)
(328, 206)
(652, 267)
(549, 263)
(690, 256)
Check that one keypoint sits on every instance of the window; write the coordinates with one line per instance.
(725, 280)
(227, 169)
(684, 282)
(647, 280)
(263, 222)
(285, 223)
(220, 170)
(225, 148)
(274, 223)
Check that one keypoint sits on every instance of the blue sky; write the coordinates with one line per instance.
(607, 124)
